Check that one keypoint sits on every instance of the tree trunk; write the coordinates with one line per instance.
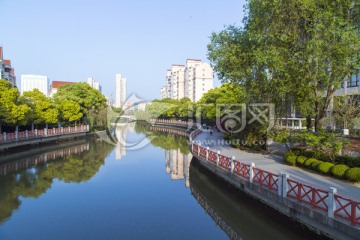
(308, 122)
(32, 126)
(47, 125)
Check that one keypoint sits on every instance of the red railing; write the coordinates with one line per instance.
(39, 133)
(212, 156)
(195, 148)
(224, 162)
(242, 169)
(203, 152)
(265, 178)
(317, 198)
(347, 209)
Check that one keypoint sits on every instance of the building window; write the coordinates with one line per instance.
(353, 81)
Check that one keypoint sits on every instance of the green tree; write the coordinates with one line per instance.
(228, 93)
(43, 109)
(294, 52)
(12, 111)
(346, 108)
(70, 110)
(87, 97)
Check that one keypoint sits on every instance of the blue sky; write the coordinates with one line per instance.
(71, 40)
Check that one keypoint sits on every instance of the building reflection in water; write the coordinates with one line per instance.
(121, 133)
(177, 165)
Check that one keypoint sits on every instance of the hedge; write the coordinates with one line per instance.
(325, 167)
(314, 165)
(300, 160)
(353, 174)
(291, 159)
(339, 170)
(350, 161)
(308, 162)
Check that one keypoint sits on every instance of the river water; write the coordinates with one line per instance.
(90, 189)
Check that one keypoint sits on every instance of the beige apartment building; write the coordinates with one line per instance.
(191, 80)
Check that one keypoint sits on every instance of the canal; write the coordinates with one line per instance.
(90, 189)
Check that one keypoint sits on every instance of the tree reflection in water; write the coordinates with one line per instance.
(35, 175)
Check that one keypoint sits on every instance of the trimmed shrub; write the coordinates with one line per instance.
(325, 167)
(314, 165)
(308, 162)
(353, 174)
(339, 170)
(290, 159)
(300, 160)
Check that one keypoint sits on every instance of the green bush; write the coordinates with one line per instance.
(300, 160)
(339, 170)
(325, 167)
(314, 165)
(353, 174)
(308, 162)
(290, 159)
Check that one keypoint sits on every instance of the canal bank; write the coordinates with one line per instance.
(19, 139)
(323, 211)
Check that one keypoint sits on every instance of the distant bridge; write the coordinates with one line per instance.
(130, 117)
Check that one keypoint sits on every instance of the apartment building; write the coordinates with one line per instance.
(31, 82)
(6, 70)
(191, 80)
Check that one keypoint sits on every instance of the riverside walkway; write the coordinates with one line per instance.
(275, 164)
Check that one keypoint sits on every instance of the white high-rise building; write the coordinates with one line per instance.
(120, 91)
(94, 84)
(163, 92)
(192, 80)
(177, 81)
(30, 82)
(203, 81)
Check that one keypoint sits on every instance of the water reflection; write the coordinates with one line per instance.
(32, 176)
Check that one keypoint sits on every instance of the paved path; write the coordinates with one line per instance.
(275, 164)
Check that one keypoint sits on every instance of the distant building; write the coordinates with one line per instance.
(191, 80)
(120, 91)
(163, 92)
(94, 84)
(55, 85)
(6, 70)
(31, 82)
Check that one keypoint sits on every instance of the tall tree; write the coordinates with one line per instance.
(290, 51)
(87, 97)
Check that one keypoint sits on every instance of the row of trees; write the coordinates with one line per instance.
(205, 108)
(72, 103)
